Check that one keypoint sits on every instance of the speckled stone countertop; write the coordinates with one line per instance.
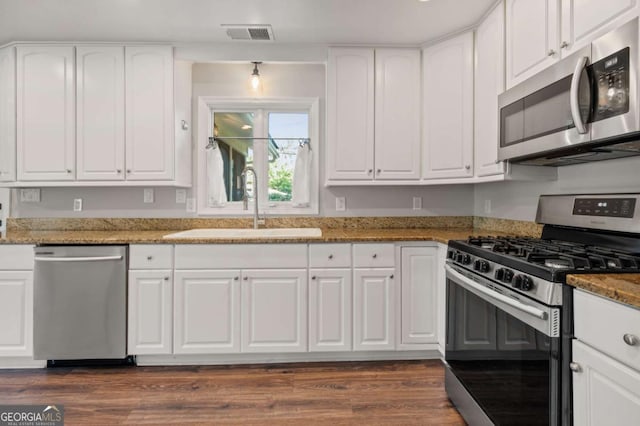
(624, 288)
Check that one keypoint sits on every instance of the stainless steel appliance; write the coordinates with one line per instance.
(80, 302)
(582, 109)
(509, 310)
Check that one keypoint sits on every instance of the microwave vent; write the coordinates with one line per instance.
(249, 32)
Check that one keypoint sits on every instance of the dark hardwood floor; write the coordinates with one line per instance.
(389, 393)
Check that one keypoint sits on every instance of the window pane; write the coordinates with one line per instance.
(236, 153)
(282, 153)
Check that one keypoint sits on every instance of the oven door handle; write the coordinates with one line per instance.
(575, 95)
(497, 296)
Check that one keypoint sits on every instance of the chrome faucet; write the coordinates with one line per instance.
(245, 199)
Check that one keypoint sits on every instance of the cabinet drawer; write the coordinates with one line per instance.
(373, 255)
(330, 255)
(602, 324)
(151, 256)
(16, 257)
(238, 256)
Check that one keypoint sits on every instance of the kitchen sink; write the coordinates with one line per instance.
(246, 233)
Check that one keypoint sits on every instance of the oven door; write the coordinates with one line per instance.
(502, 353)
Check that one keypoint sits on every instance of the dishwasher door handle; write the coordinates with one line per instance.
(77, 259)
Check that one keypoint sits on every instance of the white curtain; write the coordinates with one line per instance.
(216, 191)
(301, 191)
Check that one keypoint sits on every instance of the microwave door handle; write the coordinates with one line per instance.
(575, 93)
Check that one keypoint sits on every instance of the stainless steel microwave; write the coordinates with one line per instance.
(582, 109)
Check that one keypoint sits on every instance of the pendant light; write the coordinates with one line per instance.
(255, 76)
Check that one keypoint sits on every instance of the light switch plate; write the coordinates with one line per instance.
(77, 205)
(30, 195)
(191, 205)
(181, 196)
(148, 195)
(341, 204)
(417, 203)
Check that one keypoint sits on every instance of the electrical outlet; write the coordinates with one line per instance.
(487, 206)
(77, 205)
(341, 204)
(191, 205)
(417, 203)
(148, 195)
(181, 196)
(30, 195)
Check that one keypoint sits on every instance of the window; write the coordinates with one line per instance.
(277, 138)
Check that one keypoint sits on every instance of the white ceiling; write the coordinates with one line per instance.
(407, 22)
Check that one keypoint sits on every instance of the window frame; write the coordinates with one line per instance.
(207, 105)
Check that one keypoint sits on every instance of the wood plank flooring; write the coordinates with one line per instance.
(372, 393)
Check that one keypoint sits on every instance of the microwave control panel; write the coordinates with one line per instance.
(608, 207)
(611, 76)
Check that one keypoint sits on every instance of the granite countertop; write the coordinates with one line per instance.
(441, 235)
(624, 288)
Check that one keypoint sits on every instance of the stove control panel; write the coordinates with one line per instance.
(605, 207)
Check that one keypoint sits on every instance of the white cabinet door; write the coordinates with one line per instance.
(207, 312)
(46, 113)
(330, 310)
(448, 108)
(489, 83)
(418, 289)
(150, 321)
(373, 310)
(350, 114)
(16, 313)
(397, 114)
(585, 20)
(274, 310)
(149, 113)
(532, 37)
(100, 112)
(605, 392)
(7, 114)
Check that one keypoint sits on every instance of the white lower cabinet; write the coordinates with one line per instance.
(274, 310)
(605, 392)
(150, 312)
(330, 310)
(16, 313)
(373, 309)
(418, 295)
(207, 312)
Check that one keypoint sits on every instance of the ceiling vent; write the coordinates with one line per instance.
(249, 32)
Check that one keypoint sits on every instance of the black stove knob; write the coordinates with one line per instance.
(499, 274)
(466, 259)
(508, 276)
(481, 266)
(451, 254)
(523, 282)
(458, 257)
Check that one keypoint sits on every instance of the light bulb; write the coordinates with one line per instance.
(255, 82)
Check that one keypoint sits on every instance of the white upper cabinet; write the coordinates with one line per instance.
(448, 108)
(373, 92)
(585, 20)
(149, 113)
(489, 83)
(7, 114)
(100, 112)
(532, 37)
(350, 114)
(397, 114)
(46, 113)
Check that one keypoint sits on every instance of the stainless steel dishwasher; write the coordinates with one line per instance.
(80, 303)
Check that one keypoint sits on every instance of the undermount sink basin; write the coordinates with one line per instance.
(224, 233)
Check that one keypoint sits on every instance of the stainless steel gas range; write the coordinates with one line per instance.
(509, 310)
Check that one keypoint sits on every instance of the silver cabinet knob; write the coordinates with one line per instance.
(564, 45)
(631, 339)
(369, 171)
(313, 277)
(575, 367)
(68, 170)
(166, 278)
(128, 170)
(391, 276)
(245, 278)
(378, 171)
(330, 256)
(468, 167)
(374, 255)
(118, 171)
(149, 257)
(184, 125)
(551, 52)
(236, 278)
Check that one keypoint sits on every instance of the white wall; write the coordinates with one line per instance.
(279, 80)
(519, 200)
